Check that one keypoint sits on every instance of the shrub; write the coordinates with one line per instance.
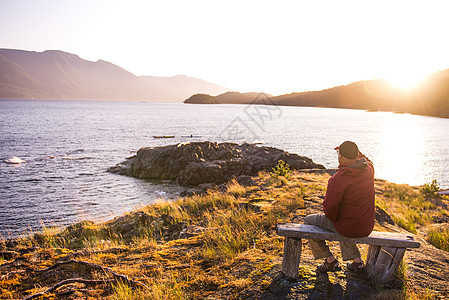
(282, 169)
(430, 189)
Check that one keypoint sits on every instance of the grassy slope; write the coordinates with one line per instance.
(227, 250)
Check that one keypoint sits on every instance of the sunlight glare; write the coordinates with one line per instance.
(405, 80)
(401, 152)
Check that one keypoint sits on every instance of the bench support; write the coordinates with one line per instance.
(381, 262)
(292, 256)
(385, 252)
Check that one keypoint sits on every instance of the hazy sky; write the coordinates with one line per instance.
(271, 46)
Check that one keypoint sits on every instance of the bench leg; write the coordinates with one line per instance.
(382, 262)
(394, 265)
(292, 256)
(371, 258)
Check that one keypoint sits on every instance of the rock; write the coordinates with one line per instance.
(79, 225)
(203, 187)
(14, 160)
(381, 216)
(187, 193)
(192, 164)
(250, 206)
(441, 219)
(437, 202)
(9, 255)
(126, 228)
(173, 231)
(11, 243)
(80, 229)
(245, 180)
(190, 231)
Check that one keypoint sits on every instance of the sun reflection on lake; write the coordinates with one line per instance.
(401, 150)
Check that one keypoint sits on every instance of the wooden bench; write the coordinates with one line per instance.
(385, 251)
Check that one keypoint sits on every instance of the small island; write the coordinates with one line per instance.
(201, 99)
(192, 164)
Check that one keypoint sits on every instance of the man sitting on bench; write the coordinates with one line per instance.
(348, 208)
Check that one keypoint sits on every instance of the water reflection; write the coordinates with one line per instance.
(400, 157)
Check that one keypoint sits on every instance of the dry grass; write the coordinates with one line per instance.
(235, 189)
(408, 207)
(238, 232)
(439, 237)
(235, 251)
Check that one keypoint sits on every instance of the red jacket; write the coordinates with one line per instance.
(349, 200)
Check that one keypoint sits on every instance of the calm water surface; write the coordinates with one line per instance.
(68, 145)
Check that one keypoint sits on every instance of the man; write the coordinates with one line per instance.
(348, 208)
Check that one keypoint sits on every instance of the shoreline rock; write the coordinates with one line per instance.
(192, 164)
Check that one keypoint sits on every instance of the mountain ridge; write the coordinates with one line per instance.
(55, 74)
(430, 98)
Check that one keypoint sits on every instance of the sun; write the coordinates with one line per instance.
(405, 80)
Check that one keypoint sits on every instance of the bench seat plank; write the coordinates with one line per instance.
(384, 239)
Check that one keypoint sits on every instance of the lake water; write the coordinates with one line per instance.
(68, 145)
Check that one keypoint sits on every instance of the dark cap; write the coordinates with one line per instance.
(348, 150)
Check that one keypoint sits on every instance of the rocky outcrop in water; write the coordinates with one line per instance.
(191, 164)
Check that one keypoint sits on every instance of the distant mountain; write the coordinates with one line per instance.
(60, 75)
(430, 98)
